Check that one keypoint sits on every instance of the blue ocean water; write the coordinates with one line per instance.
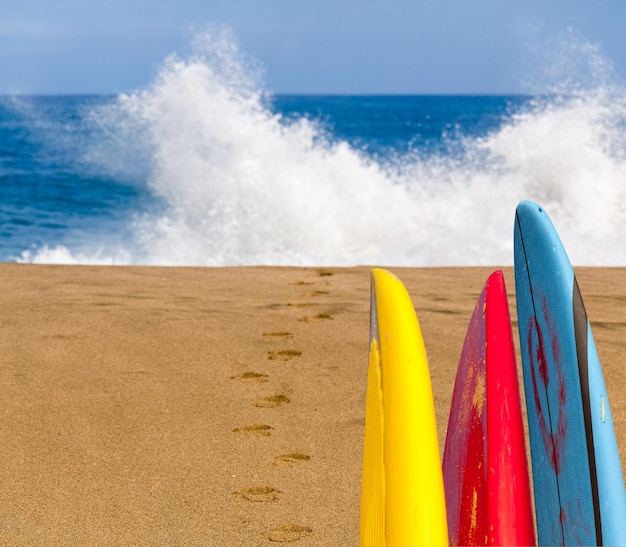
(205, 167)
(49, 195)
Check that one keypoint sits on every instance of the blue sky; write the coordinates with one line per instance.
(315, 46)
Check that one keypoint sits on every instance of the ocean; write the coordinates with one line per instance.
(204, 167)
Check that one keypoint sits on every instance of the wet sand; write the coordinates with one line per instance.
(216, 406)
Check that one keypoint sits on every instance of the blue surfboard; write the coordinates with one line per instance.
(577, 475)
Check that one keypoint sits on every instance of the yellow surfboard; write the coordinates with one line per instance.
(402, 494)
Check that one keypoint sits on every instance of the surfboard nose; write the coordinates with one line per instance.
(529, 211)
(531, 222)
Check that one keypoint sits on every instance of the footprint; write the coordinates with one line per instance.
(254, 430)
(278, 334)
(302, 283)
(273, 401)
(288, 533)
(259, 493)
(290, 459)
(251, 377)
(324, 273)
(285, 355)
(303, 304)
(319, 293)
(318, 317)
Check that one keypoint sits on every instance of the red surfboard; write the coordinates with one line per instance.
(485, 468)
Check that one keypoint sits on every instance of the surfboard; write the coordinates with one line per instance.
(577, 475)
(402, 496)
(485, 467)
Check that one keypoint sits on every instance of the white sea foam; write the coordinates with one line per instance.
(241, 185)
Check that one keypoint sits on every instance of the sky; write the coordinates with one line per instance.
(316, 46)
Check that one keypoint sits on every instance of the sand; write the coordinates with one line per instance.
(216, 406)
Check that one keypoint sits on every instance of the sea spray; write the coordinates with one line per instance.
(236, 182)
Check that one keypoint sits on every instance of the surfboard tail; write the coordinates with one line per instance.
(402, 498)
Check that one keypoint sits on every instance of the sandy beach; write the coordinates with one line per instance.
(225, 406)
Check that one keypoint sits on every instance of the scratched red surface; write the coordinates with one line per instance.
(485, 467)
(465, 454)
